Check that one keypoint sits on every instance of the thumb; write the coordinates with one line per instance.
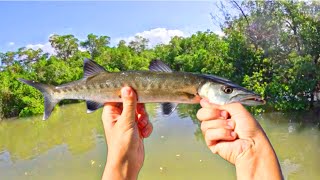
(129, 99)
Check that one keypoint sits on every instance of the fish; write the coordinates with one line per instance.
(158, 85)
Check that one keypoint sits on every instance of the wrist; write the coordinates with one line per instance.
(120, 169)
(258, 161)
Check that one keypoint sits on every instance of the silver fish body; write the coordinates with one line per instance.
(159, 85)
(150, 87)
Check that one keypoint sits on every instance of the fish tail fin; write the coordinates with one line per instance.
(47, 91)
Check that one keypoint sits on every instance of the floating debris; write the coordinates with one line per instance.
(162, 169)
(92, 162)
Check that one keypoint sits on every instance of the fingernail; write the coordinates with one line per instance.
(224, 114)
(126, 92)
(233, 134)
(230, 124)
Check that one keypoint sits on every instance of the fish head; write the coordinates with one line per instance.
(225, 93)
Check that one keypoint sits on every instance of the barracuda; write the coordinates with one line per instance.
(159, 85)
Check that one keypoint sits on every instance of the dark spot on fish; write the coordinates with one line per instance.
(75, 89)
(96, 86)
(64, 90)
(56, 90)
(190, 96)
(151, 86)
(101, 85)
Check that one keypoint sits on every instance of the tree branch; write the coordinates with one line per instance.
(237, 5)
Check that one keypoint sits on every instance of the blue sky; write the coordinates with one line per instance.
(31, 23)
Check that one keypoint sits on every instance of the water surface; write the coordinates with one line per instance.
(71, 145)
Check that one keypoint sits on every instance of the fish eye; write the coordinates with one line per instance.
(227, 90)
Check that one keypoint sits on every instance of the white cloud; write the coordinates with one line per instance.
(46, 47)
(156, 36)
(219, 33)
(11, 43)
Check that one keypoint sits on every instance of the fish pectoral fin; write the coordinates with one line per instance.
(167, 108)
(159, 66)
(92, 106)
(91, 68)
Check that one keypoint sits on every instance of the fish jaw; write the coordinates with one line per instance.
(252, 100)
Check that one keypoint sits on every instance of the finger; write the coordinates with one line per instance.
(217, 124)
(110, 114)
(143, 120)
(129, 99)
(234, 109)
(146, 131)
(141, 109)
(206, 104)
(111, 108)
(144, 125)
(205, 114)
(214, 135)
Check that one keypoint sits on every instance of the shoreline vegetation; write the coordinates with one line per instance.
(270, 47)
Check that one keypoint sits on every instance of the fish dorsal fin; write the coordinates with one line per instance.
(91, 68)
(167, 108)
(159, 66)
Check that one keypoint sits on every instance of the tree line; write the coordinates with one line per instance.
(271, 47)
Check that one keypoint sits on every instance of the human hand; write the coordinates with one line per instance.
(228, 137)
(232, 132)
(125, 127)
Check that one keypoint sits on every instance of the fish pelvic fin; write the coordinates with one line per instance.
(167, 108)
(47, 91)
(92, 106)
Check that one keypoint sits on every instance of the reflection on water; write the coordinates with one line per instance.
(71, 144)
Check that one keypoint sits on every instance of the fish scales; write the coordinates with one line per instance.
(150, 87)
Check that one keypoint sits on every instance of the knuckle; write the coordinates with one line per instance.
(203, 127)
(200, 114)
(208, 136)
(214, 150)
(225, 133)
(214, 113)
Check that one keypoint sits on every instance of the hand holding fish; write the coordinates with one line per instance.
(125, 129)
(231, 132)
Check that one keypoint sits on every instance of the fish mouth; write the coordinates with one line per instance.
(252, 100)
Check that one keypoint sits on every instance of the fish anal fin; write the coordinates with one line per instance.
(167, 108)
(91, 68)
(159, 66)
(92, 106)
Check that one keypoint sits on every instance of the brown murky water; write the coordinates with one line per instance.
(71, 145)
